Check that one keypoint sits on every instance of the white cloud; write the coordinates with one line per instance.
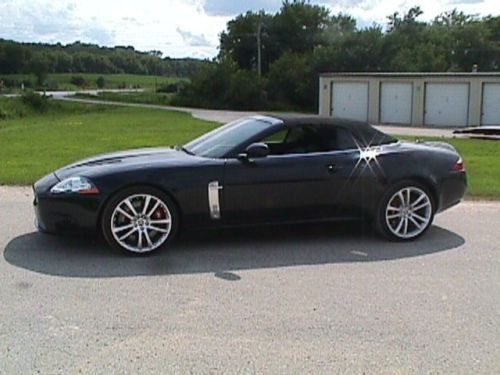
(179, 27)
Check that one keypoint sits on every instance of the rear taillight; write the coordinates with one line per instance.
(459, 166)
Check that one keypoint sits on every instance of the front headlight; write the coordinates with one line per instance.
(79, 185)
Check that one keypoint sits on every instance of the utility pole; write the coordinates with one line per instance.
(259, 48)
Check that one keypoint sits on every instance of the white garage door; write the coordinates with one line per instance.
(396, 103)
(447, 104)
(350, 100)
(491, 104)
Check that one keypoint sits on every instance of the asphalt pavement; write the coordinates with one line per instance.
(329, 298)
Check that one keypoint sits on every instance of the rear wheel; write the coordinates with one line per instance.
(139, 220)
(405, 212)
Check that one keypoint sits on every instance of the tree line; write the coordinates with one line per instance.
(41, 59)
(302, 40)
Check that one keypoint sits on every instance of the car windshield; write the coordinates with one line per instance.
(217, 143)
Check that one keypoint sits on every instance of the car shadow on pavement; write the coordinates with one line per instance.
(222, 251)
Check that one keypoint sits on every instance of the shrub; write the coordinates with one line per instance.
(10, 82)
(169, 87)
(38, 102)
(246, 90)
(78, 81)
(3, 114)
(101, 82)
(222, 85)
(28, 84)
(52, 85)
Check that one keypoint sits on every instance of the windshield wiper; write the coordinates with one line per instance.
(184, 149)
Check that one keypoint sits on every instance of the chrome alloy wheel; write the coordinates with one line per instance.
(408, 212)
(141, 223)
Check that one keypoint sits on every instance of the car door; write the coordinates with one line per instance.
(302, 181)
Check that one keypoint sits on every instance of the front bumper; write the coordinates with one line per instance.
(64, 213)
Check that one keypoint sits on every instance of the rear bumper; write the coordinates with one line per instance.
(65, 213)
(452, 190)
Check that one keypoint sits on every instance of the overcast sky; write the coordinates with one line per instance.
(179, 28)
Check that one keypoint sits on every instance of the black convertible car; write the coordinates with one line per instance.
(256, 170)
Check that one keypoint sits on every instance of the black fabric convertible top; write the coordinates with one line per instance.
(362, 130)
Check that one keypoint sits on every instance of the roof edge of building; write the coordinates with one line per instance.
(410, 74)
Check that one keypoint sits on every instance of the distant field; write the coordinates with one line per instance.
(145, 97)
(37, 144)
(113, 81)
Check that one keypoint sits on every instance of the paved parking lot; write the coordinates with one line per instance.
(298, 299)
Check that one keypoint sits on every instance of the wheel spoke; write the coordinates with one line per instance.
(162, 221)
(162, 230)
(122, 228)
(124, 213)
(419, 226)
(146, 204)
(401, 197)
(408, 197)
(148, 239)
(405, 229)
(423, 205)
(126, 235)
(393, 216)
(139, 240)
(422, 219)
(422, 196)
(153, 209)
(131, 207)
(392, 208)
(400, 225)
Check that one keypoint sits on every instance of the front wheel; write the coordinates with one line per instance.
(139, 220)
(405, 212)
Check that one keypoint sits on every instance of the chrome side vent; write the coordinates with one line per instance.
(213, 199)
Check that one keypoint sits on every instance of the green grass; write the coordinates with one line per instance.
(113, 81)
(482, 163)
(37, 144)
(145, 97)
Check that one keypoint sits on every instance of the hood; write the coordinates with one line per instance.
(128, 159)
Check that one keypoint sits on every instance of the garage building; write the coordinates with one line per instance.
(419, 99)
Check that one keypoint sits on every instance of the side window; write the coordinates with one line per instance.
(309, 139)
(278, 137)
(336, 138)
(276, 142)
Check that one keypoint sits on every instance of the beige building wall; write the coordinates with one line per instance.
(418, 81)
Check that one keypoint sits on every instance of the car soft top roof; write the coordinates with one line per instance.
(362, 129)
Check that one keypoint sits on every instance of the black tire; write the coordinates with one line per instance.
(109, 210)
(381, 221)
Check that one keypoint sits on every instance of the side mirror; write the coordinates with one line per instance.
(255, 151)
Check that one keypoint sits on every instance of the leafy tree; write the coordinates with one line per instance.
(39, 66)
(299, 26)
(292, 79)
(239, 42)
(89, 58)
